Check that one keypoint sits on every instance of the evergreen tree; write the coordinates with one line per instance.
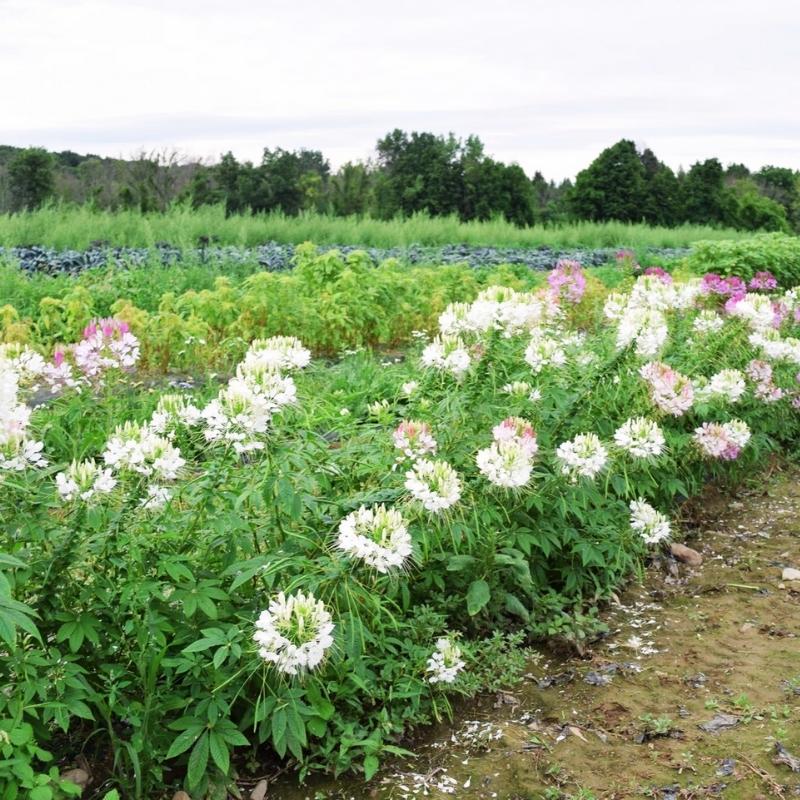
(704, 196)
(612, 186)
(662, 198)
(31, 178)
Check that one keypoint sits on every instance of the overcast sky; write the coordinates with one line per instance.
(546, 84)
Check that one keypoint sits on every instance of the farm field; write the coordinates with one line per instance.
(77, 227)
(258, 523)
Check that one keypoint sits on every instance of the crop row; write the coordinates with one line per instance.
(277, 257)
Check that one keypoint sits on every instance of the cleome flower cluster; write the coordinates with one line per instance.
(377, 536)
(18, 449)
(508, 461)
(296, 632)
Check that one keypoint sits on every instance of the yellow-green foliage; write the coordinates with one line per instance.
(12, 328)
(64, 319)
(331, 301)
(588, 314)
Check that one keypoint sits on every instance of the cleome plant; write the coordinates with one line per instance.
(300, 562)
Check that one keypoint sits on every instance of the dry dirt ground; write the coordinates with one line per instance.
(694, 694)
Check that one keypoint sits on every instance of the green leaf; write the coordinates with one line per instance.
(457, 563)
(478, 596)
(7, 560)
(185, 740)
(371, 765)
(207, 606)
(514, 606)
(41, 793)
(317, 726)
(235, 738)
(200, 645)
(198, 761)
(296, 726)
(278, 727)
(324, 708)
(177, 571)
(80, 709)
(219, 751)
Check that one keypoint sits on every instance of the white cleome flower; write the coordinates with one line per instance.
(738, 432)
(518, 388)
(277, 353)
(447, 353)
(157, 498)
(378, 536)
(519, 430)
(294, 633)
(414, 439)
(239, 416)
(544, 351)
(708, 322)
(172, 412)
(434, 483)
(138, 449)
(454, 320)
(756, 309)
(728, 385)
(640, 437)
(651, 524)
(445, 663)
(584, 456)
(273, 391)
(506, 463)
(84, 480)
(18, 453)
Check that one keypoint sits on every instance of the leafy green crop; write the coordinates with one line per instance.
(777, 253)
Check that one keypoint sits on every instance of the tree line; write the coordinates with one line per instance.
(410, 173)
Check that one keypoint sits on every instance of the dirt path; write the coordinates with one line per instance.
(716, 645)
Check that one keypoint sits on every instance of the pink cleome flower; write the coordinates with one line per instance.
(567, 281)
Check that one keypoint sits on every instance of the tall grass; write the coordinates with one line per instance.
(66, 227)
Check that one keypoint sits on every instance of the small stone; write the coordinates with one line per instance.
(78, 776)
(791, 574)
(721, 722)
(686, 554)
(748, 626)
(596, 679)
(259, 790)
(181, 795)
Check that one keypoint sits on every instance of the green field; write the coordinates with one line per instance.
(77, 227)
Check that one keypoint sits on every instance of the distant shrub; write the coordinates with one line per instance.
(775, 252)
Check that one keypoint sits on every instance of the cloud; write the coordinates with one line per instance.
(545, 85)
